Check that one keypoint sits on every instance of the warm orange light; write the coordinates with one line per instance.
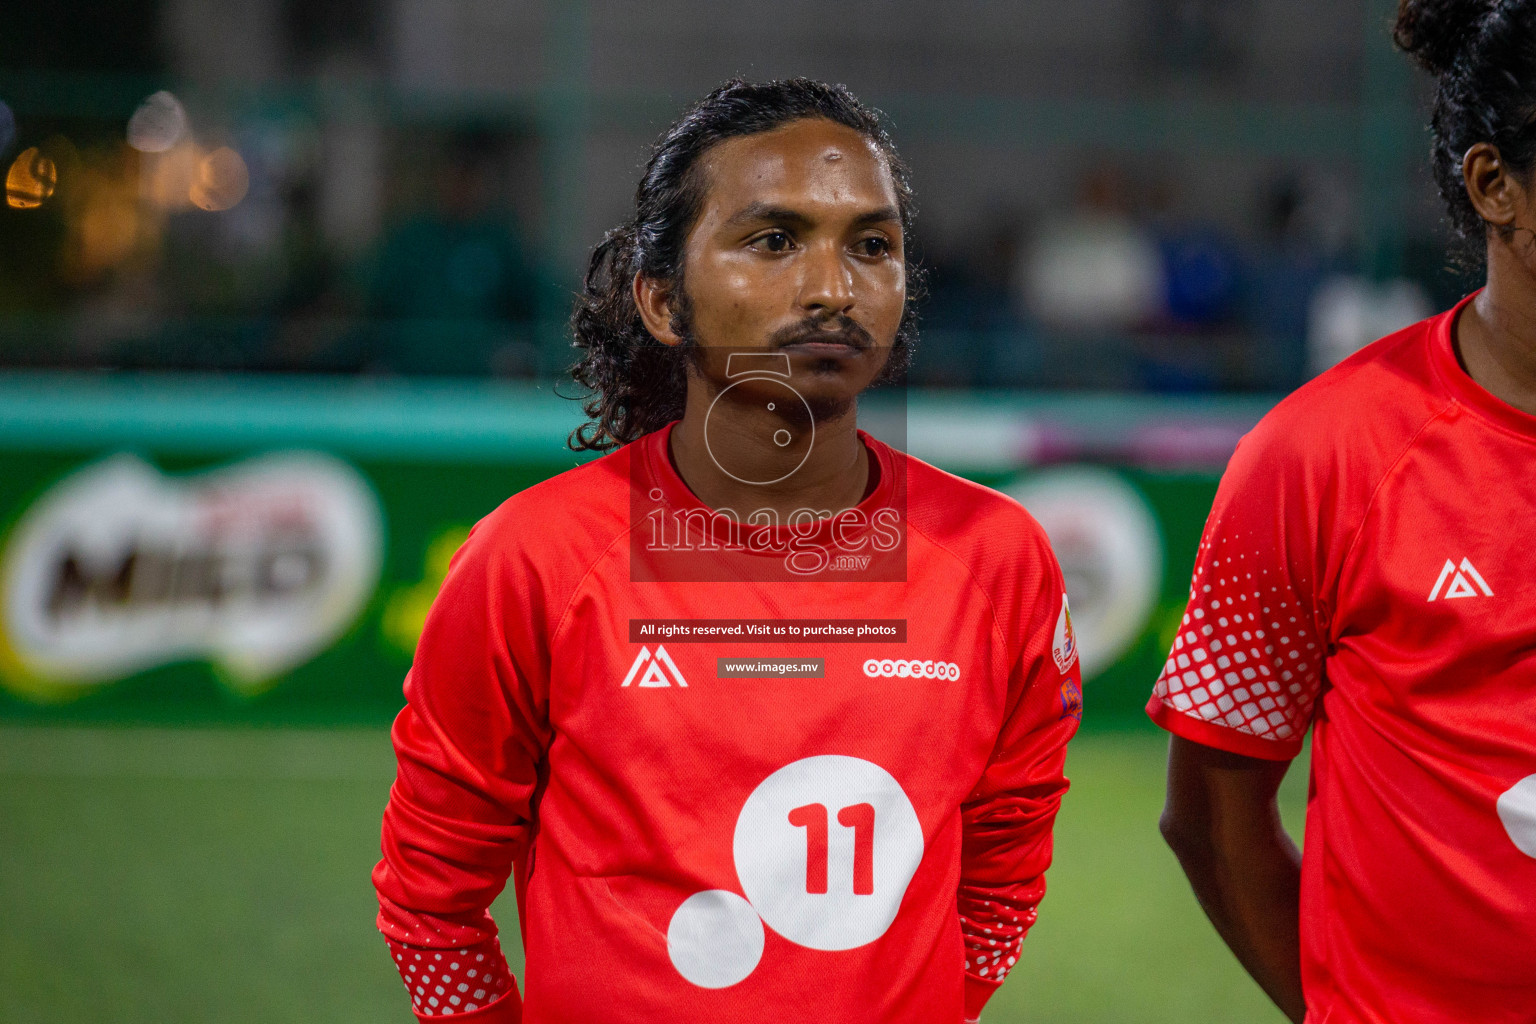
(31, 180)
(105, 220)
(109, 229)
(166, 178)
(221, 180)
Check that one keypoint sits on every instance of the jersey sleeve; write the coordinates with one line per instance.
(1007, 819)
(469, 743)
(1246, 665)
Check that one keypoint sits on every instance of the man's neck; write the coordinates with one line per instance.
(1496, 334)
(832, 477)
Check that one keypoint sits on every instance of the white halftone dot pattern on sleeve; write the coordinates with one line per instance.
(443, 982)
(1245, 657)
(994, 935)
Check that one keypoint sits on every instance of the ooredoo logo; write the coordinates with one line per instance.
(255, 567)
(902, 668)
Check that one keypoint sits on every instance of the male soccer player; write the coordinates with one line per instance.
(1368, 570)
(857, 831)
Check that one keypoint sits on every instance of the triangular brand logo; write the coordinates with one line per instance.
(1464, 580)
(659, 669)
(1460, 587)
(653, 676)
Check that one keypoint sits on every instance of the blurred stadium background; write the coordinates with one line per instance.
(282, 297)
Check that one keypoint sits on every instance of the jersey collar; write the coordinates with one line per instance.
(1461, 386)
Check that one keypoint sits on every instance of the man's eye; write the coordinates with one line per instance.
(873, 246)
(774, 241)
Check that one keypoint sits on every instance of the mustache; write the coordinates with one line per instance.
(840, 329)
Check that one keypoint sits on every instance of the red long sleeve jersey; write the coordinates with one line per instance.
(1368, 570)
(865, 846)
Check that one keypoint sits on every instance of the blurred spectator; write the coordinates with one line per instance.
(315, 332)
(1192, 344)
(451, 289)
(1093, 268)
(1298, 245)
(1350, 312)
(972, 335)
(1200, 272)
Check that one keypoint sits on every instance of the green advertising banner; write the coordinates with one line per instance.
(265, 550)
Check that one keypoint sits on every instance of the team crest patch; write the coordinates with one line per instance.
(1071, 699)
(1064, 644)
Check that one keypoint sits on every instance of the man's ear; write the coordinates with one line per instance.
(1496, 192)
(653, 299)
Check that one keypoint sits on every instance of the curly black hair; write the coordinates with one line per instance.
(1483, 54)
(634, 383)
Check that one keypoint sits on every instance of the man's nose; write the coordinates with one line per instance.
(827, 288)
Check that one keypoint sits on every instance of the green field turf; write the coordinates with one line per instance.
(221, 877)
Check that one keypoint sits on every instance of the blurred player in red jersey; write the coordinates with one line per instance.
(693, 834)
(1368, 570)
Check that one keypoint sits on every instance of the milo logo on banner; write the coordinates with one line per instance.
(255, 567)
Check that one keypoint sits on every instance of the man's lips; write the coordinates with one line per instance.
(835, 345)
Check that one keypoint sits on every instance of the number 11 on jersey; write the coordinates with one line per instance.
(860, 818)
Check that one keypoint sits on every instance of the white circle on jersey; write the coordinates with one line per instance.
(825, 848)
(715, 939)
(1517, 810)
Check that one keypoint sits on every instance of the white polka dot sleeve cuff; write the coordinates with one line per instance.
(471, 983)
